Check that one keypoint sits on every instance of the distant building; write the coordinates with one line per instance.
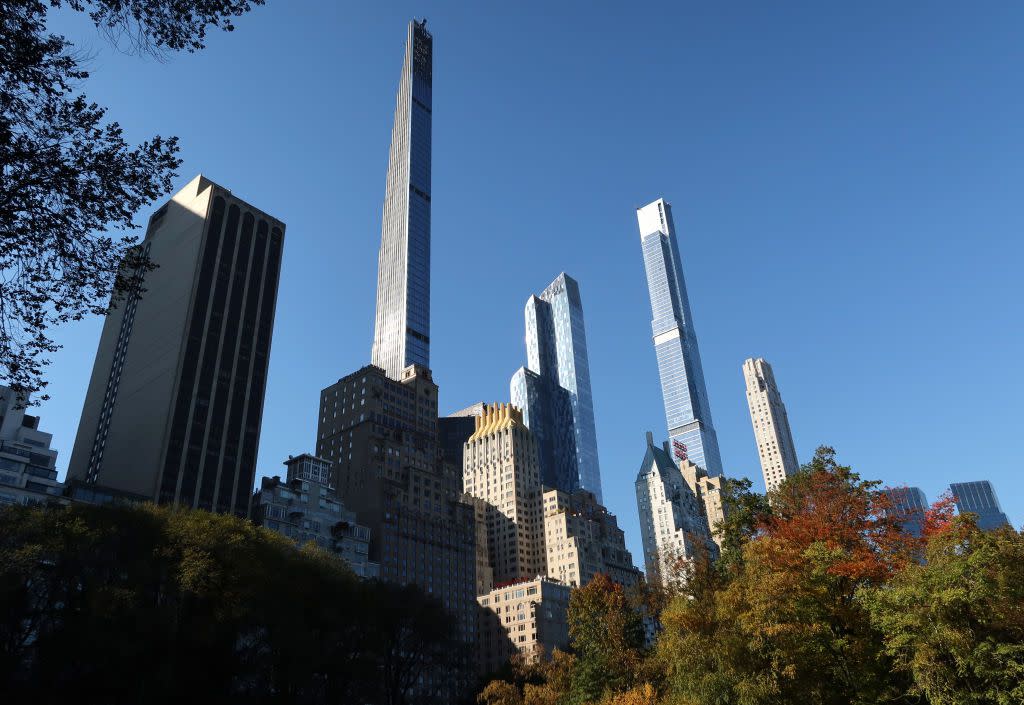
(305, 508)
(979, 498)
(528, 617)
(175, 403)
(771, 424)
(500, 467)
(553, 390)
(909, 505)
(673, 519)
(455, 429)
(687, 410)
(582, 539)
(28, 472)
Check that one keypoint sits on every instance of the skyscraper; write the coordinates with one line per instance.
(401, 335)
(979, 498)
(675, 342)
(771, 424)
(909, 505)
(175, 402)
(553, 390)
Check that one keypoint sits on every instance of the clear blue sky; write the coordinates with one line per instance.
(846, 179)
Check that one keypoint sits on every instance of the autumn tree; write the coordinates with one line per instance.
(69, 181)
(955, 622)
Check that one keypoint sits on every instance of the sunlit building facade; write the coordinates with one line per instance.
(768, 415)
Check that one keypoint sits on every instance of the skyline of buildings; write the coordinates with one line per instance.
(553, 390)
(774, 438)
(174, 406)
(208, 391)
(687, 410)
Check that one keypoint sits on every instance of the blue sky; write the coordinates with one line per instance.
(845, 179)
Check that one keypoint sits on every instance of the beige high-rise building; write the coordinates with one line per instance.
(582, 539)
(500, 467)
(771, 424)
(709, 495)
(529, 617)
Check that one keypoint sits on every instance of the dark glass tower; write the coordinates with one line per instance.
(175, 401)
(675, 342)
(553, 390)
(979, 498)
(401, 335)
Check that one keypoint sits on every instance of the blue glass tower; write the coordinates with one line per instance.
(675, 342)
(979, 498)
(401, 335)
(910, 506)
(553, 390)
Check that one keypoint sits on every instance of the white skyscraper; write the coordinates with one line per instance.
(771, 424)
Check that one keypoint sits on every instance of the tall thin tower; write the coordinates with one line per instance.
(401, 334)
(771, 423)
(675, 342)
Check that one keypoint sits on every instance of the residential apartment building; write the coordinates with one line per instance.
(500, 467)
(687, 410)
(768, 415)
(582, 539)
(673, 519)
(304, 507)
(529, 617)
(28, 466)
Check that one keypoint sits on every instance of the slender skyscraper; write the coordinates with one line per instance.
(771, 424)
(675, 342)
(553, 390)
(175, 402)
(401, 334)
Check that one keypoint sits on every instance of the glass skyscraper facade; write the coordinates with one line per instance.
(675, 342)
(553, 390)
(909, 505)
(979, 498)
(401, 334)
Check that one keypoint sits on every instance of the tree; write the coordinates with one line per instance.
(784, 623)
(607, 636)
(68, 177)
(955, 622)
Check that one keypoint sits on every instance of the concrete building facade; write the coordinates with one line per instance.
(775, 447)
(175, 403)
(500, 467)
(529, 617)
(28, 466)
(304, 507)
(673, 519)
(582, 539)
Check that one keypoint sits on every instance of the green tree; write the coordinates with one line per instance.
(607, 636)
(956, 621)
(68, 177)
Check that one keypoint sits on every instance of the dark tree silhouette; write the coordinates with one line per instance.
(68, 178)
